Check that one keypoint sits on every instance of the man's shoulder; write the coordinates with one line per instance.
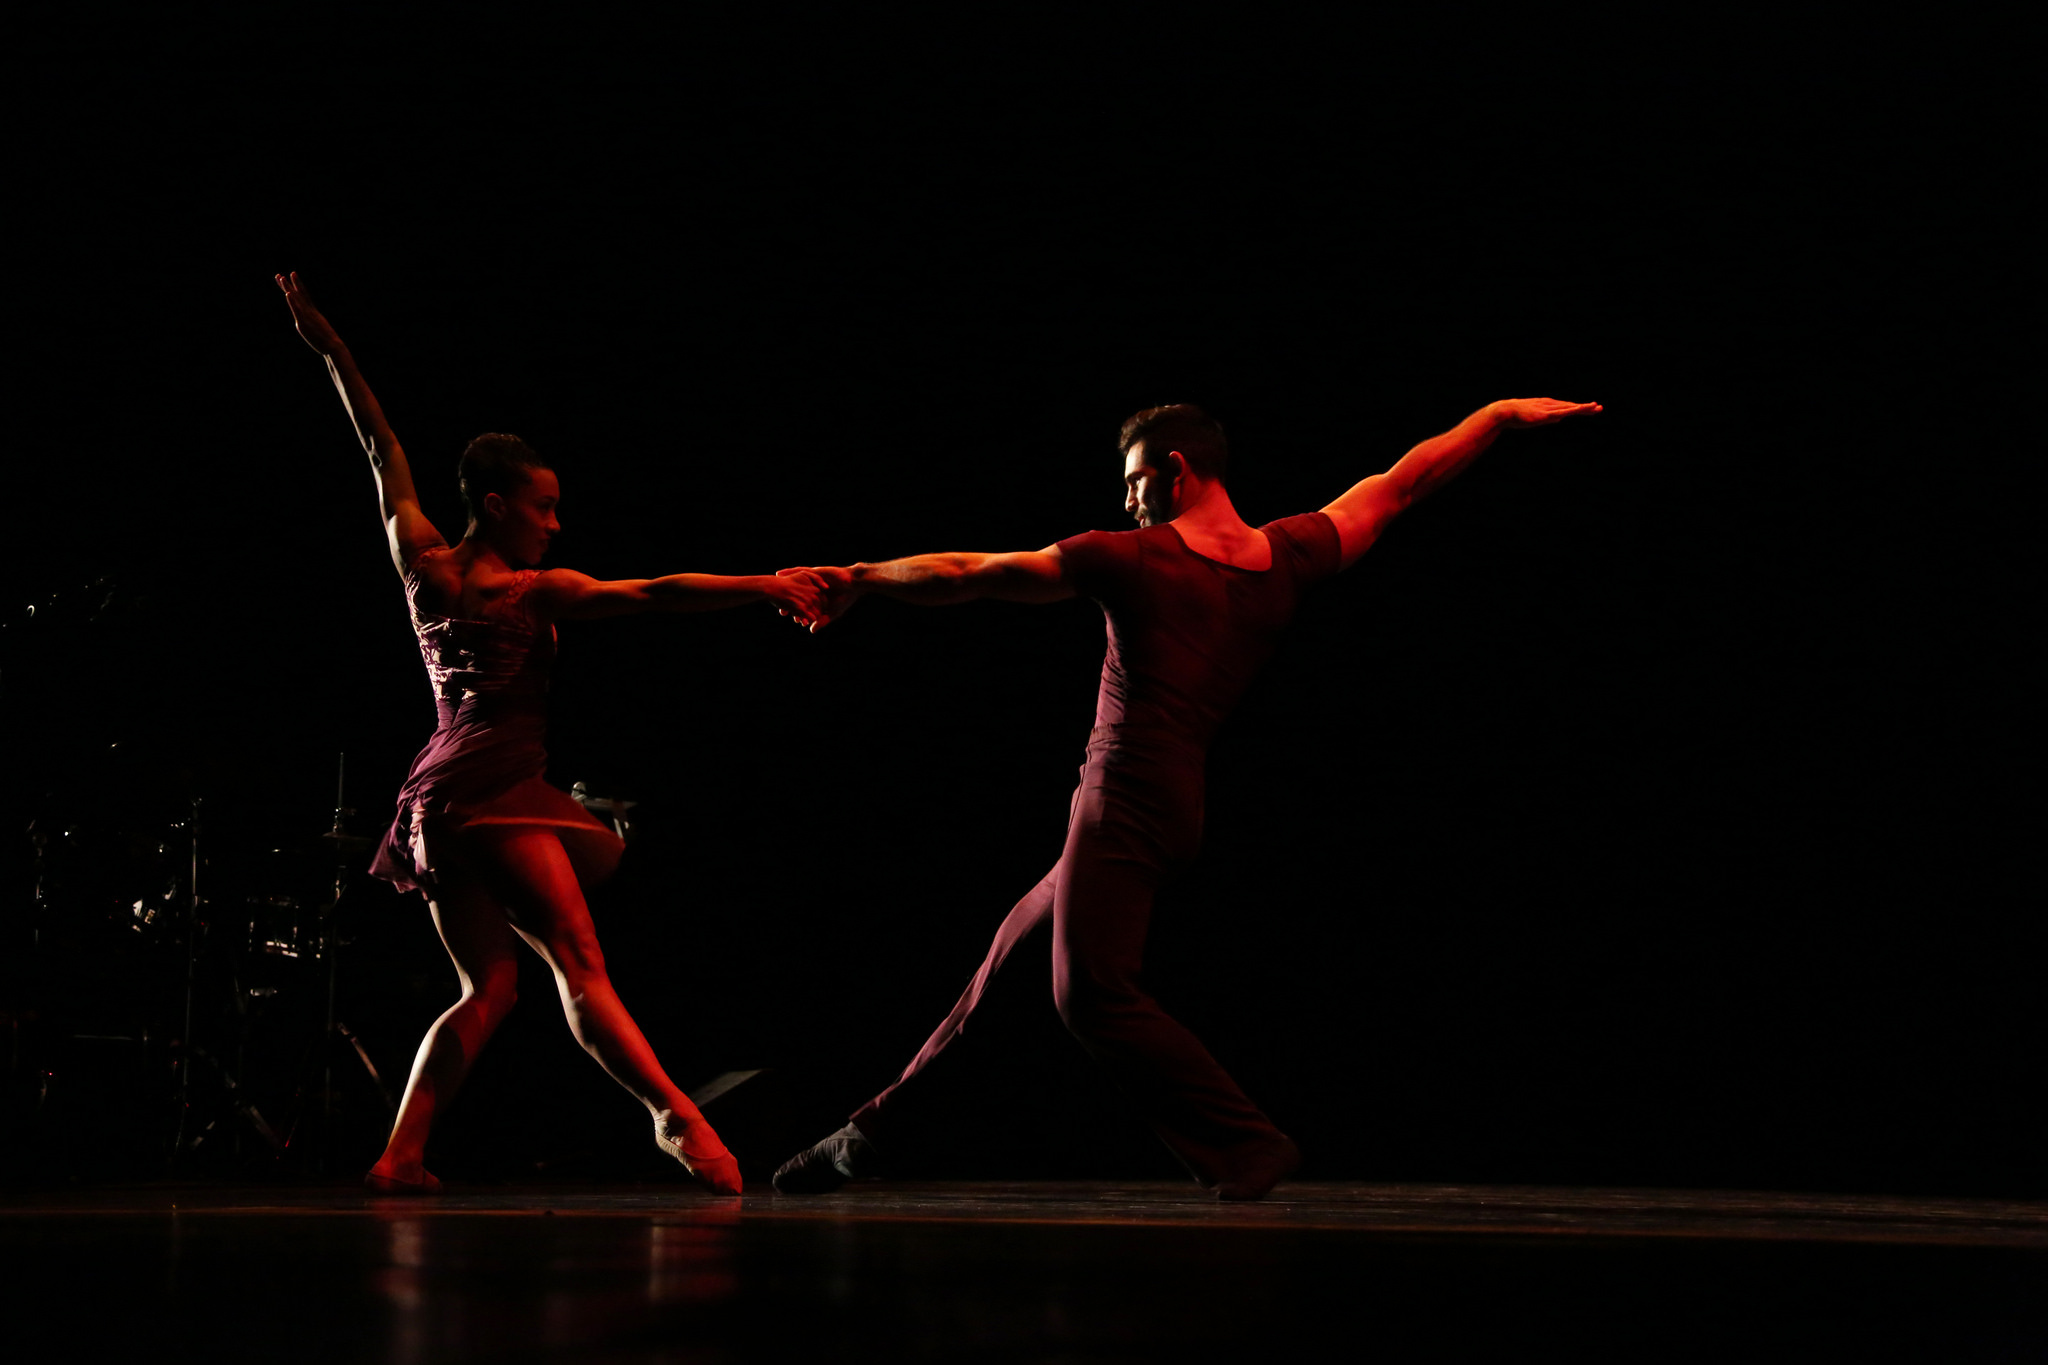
(1310, 525)
(1113, 535)
(1110, 542)
(1104, 561)
(1312, 536)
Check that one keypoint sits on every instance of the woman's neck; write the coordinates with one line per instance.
(474, 549)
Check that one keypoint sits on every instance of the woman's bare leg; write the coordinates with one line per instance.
(547, 909)
(479, 940)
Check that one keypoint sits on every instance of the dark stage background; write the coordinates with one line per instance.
(1648, 807)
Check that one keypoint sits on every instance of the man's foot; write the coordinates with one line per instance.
(700, 1151)
(1259, 1168)
(391, 1178)
(824, 1166)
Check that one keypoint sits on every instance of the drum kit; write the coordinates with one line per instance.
(204, 986)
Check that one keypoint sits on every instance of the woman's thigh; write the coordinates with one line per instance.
(532, 876)
(473, 928)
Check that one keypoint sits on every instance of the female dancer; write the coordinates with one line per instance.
(498, 851)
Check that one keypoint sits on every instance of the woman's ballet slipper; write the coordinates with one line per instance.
(428, 1183)
(1259, 1167)
(719, 1170)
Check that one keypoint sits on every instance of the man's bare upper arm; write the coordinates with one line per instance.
(1362, 513)
(1029, 576)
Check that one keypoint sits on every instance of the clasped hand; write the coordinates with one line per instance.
(837, 595)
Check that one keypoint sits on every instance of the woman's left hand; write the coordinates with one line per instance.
(317, 331)
(799, 594)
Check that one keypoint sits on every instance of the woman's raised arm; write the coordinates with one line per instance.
(405, 524)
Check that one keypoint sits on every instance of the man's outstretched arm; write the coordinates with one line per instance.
(1364, 511)
(941, 580)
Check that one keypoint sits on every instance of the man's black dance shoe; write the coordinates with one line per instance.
(1259, 1168)
(824, 1166)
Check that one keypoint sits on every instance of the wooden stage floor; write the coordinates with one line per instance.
(1029, 1271)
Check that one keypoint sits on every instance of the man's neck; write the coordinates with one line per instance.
(1210, 513)
(1210, 525)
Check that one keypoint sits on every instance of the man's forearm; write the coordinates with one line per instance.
(1435, 462)
(929, 580)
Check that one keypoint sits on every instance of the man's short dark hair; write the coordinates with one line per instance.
(1183, 427)
(495, 463)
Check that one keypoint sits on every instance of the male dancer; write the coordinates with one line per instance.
(1195, 601)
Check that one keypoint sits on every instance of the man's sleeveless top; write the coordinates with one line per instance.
(1187, 634)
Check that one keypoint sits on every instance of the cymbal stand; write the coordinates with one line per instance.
(185, 1142)
(327, 943)
(195, 929)
(610, 805)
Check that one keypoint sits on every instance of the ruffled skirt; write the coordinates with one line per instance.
(476, 777)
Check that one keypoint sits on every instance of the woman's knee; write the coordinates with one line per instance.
(494, 991)
(577, 959)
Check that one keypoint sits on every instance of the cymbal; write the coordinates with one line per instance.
(349, 842)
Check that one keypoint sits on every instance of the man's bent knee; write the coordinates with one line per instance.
(1089, 1010)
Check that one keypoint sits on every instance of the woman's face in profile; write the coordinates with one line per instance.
(524, 522)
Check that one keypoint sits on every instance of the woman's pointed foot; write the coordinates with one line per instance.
(697, 1147)
(395, 1179)
(1260, 1166)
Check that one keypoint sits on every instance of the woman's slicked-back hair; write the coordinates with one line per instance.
(495, 463)
(1183, 427)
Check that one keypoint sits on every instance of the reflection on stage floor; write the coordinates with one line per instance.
(1014, 1271)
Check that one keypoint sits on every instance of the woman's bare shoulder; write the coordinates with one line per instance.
(484, 584)
(437, 577)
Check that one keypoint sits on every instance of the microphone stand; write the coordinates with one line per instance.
(195, 929)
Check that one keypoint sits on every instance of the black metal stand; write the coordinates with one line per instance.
(327, 947)
(195, 930)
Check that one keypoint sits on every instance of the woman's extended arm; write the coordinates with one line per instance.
(564, 594)
(405, 524)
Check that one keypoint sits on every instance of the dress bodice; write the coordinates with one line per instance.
(505, 650)
(486, 764)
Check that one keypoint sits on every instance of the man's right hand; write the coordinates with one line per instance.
(317, 331)
(839, 596)
(1537, 412)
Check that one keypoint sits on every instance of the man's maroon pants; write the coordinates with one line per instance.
(1137, 817)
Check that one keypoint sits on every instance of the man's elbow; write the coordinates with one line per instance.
(1393, 497)
(962, 576)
